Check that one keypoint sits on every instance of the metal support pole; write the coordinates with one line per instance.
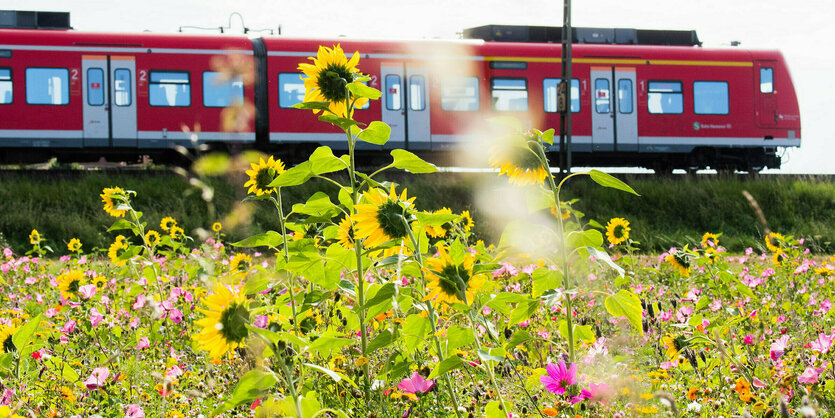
(565, 116)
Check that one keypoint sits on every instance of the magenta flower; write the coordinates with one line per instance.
(810, 375)
(68, 327)
(261, 321)
(559, 377)
(415, 384)
(823, 343)
(88, 291)
(95, 317)
(175, 315)
(749, 339)
(134, 411)
(98, 378)
(778, 348)
(143, 343)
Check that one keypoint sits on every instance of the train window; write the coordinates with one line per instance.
(459, 93)
(601, 95)
(290, 89)
(221, 91)
(550, 88)
(170, 88)
(95, 86)
(710, 97)
(416, 92)
(367, 102)
(122, 87)
(665, 97)
(47, 86)
(509, 94)
(5, 86)
(766, 80)
(625, 95)
(393, 89)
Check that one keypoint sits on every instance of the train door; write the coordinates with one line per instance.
(405, 104)
(766, 93)
(614, 102)
(109, 105)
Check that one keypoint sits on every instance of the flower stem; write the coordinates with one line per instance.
(280, 209)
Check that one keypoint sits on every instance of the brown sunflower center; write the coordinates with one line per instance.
(619, 231)
(332, 81)
(234, 320)
(8, 345)
(682, 259)
(390, 219)
(264, 177)
(73, 286)
(454, 279)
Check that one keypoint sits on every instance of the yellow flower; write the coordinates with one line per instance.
(262, 174)
(673, 346)
(224, 326)
(6, 412)
(403, 396)
(773, 241)
(34, 237)
(69, 282)
(327, 77)
(467, 221)
(617, 230)
(693, 394)
(240, 262)
(565, 213)
(6, 334)
(710, 240)
(779, 257)
(519, 160)
(152, 238)
(345, 233)
(74, 245)
(167, 223)
(360, 361)
(438, 231)
(383, 218)
(681, 261)
(450, 280)
(217, 227)
(113, 252)
(742, 386)
(176, 233)
(107, 196)
(66, 394)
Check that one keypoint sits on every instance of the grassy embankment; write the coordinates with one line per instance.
(670, 212)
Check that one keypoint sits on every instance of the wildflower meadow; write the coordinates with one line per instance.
(369, 306)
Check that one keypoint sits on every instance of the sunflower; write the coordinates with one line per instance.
(74, 245)
(345, 233)
(450, 280)
(326, 79)
(113, 252)
(262, 174)
(711, 254)
(107, 196)
(217, 227)
(565, 213)
(240, 263)
(710, 240)
(779, 257)
(617, 230)
(6, 334)
(167, 223)
(773, 241)
(176, 233)
(69, 282)
(467, 221)
(681, 261)
(100, 282)
(34, 237)
(152, 238)
(382, 219)
(439, 231)
(519, 160)
(224, 326)
(674, 345)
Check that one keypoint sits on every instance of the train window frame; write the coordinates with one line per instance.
(282, 103)
(422, 92)
(767, 88)
(727, 97)
(620, 101)
(67, 85)
(608, 98)
(495, 101)
(445, 98)
(10, 82)
(679, 93)
(151, 83)
(101, 86)
(390, 96)
(228, 84)
(575, 82)
(129, 90)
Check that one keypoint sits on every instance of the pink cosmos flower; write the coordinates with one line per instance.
(95, 317)
(261, 321)
(749, 339)
(175, 315)
(598, 392)
(778, 348)
(559, 377)
(68, 327)
(174, 372)
(98, 378)
(88, 291)
(823, 343)
(134, 411)
(143, 343)
(810, 375)
(415, 384)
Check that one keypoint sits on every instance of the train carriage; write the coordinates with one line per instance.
(633, 103)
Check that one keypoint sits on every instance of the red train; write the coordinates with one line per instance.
(85, 95)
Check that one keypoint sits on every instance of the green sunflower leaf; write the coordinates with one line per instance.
(587, 238)
(383, 293)
(312, 105)
(323, 161)
(626, 304)
(326, 344)
(458, 337)
(382, 339)
(545, 279)
(22, 337)
(548, 136)
(604, 257)
(377, 133)
(295, 176)
(414, 331)
(435, 219)
(359, 89)
(494, 409)
(405, 160)
(606, 180)
(343, 123)
(445, 366)
(251, 385)
(270, 239)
